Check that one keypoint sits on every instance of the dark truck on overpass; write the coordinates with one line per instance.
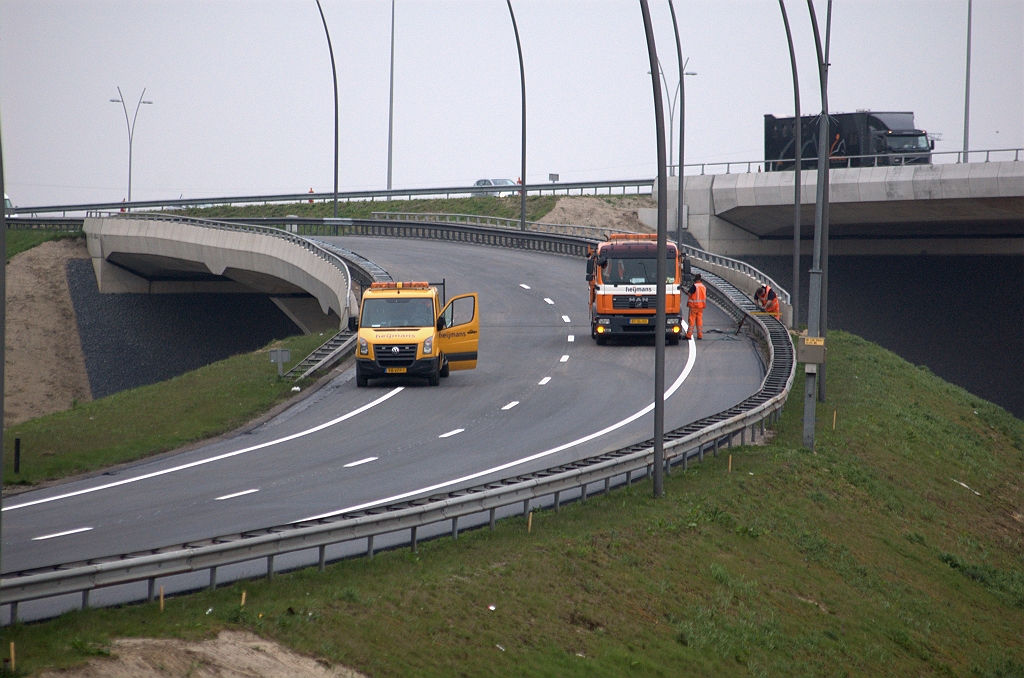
(885, 138)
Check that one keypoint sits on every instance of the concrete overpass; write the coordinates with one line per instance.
(965, 208)
(154, 255)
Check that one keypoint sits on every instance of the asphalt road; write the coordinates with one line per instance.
(543, 394)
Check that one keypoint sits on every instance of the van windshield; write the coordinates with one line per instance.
(630, 271)
(410, 312)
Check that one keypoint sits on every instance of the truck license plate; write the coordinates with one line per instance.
(396, 370)
(638, 321)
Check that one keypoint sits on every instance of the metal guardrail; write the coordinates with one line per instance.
(623, 187)
(737, 265)
(548, 487)
(839, 162)
(596, 232)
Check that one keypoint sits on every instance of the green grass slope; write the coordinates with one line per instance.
(866, 558)
(492, 206)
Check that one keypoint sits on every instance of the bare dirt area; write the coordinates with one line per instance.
(232, 654)
(605, 211)
(45, 368)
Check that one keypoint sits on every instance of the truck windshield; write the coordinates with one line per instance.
(626, 271)
(918, 143)
(412, 312)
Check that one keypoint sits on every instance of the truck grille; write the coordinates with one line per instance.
(395, 355)
(621, 301)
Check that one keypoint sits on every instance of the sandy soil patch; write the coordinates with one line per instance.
(618, 212)
(233, 654)
(45, 369)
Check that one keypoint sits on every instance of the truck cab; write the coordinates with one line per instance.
(405, 329)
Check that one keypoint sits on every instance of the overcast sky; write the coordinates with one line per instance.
(243, 99)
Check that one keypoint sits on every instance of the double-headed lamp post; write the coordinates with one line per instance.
(672, 112)
(131, 129)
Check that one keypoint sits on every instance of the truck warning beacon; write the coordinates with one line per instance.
(404, 331)
(622, 273)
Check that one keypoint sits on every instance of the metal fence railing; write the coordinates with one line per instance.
(477, 504)
(595, 232)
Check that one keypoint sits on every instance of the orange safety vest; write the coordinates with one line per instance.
(699, 297)
(770, 305)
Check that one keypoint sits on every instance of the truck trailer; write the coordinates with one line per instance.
(887, 138)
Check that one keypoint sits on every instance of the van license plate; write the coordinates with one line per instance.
(638, 321)
(395, 370)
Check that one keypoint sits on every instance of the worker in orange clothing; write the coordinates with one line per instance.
(768, 301)
(696, 302)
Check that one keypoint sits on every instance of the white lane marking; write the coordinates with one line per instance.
(565, 318)
(237, 494)
(564, 359)
(360, 462)
(218, 457)
(543, 381)
(572, 338)
(691, 359)
(548, 301)
(61, 534)
(451, 433)
(511, 405)
(525, 287)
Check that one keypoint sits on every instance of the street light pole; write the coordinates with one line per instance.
(798, 142)
(659, 325)
(522, 79)
(334, 72)
(967, 85)
(391, 95)
(816, 305)
(131, 129)
(682, 122)
(3, 327)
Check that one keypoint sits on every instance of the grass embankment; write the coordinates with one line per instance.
(19, 240)
(141, 422)
(507, 207)
(863, 559)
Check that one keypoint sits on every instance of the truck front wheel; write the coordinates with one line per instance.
(361, 381)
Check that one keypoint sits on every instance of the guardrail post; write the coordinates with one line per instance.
(629, 478)
(369, 546)
(152, 589)
(455, 528)
(322, 560)
(700, 452)
(607, 485)
(557, 501)
(412, 538)
(743, 436)
(270, 567)
(714, 449)
(14, 613)
(526, 507)
(85, 599)
(583, 493)
(213, 578)
(492, 520)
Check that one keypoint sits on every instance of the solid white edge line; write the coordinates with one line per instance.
(511, 405)
(62, 534)
(548, 301)
(543, 381)
(451, 433)
(564, 359)
(690, 360)
(565, 318)
(572, 337)
(218, 457)
(360, 462)
(237, 494)
(525, 287)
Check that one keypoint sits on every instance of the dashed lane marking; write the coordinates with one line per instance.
(565, 318)
(564, 359)
(511, 405)
(548, 301)
(62, 534)
(572, 338)
(543, 381)
(360, 462)
(525, 287)
(237, 494)
(451, 433)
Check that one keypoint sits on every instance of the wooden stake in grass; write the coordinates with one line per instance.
(243, 599)
(730, 463)
(833, 420)
(161, 598)
(529, 521)
(14, 667)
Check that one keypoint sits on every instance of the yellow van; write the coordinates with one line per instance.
(403, 331)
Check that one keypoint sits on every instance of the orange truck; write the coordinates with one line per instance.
(622, 273)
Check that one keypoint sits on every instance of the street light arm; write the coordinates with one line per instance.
(131, 133)
(522, 80)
